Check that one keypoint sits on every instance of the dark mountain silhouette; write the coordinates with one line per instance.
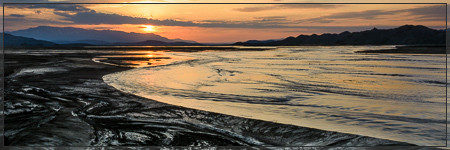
(92, 42)
(181, 40)
(74, 35)
(404, 35)
(12, 41)
(260, 42)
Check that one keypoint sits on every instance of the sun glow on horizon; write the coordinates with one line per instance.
(148, 28)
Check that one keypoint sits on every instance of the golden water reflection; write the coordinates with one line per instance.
(138, 59)
(392, 96)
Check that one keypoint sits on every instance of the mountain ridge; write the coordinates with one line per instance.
(403, 35)
(72, 35)
(12, 41)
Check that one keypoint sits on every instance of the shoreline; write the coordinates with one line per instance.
(156, 48)
(64, 94)
(418, 49)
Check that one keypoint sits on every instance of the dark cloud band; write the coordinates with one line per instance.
(78, 14)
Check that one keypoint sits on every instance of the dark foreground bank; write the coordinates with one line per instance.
(61, 100)
(411, 49)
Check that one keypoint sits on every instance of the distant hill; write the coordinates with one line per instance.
(404, 35)
(181, 40)
(259, 42)
(91, 42)
(65, 35)
(12, 41)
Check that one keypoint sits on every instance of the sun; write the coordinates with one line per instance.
(148, 28)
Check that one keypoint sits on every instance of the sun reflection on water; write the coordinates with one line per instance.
(137, 59)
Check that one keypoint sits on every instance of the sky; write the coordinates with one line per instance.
(222, 23)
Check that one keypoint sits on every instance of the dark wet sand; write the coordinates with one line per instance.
(66, 103)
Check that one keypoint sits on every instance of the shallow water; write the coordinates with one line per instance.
(391, 96)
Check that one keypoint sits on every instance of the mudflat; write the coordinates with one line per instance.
(60, 99)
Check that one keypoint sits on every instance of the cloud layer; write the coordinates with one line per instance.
(79, 14)
(286, 6)
(427, 13)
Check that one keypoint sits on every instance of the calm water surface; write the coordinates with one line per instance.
(391, 96)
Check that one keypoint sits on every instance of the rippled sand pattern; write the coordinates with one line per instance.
(391, 96)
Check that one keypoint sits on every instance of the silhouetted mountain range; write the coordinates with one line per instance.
(91, 42)
(66, 35)
(404, 35)
(12, 41)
